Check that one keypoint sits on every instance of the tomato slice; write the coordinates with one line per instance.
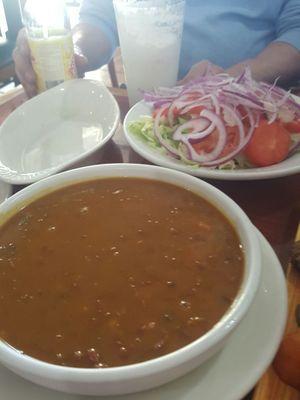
(233, 139)
(244, 115)
(193, 96)
(293, 127)
(194, 112)
(269, 144)
(209, 143)
(157, 110)
(165, 112)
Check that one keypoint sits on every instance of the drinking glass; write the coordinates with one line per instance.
(150, 34)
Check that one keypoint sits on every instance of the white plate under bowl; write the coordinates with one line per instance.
(229, 375)
(289, 166)
(56, 129)
(5, 191)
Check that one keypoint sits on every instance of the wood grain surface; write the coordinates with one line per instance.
(270, 386)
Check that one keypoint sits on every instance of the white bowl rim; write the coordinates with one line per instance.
(15, 178)
(170, 360)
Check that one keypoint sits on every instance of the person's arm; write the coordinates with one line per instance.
(281, 59)
(278, 60)
(91, 42)
(96, 35)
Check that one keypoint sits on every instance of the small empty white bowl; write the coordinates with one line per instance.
(56, 129)
(5, 191)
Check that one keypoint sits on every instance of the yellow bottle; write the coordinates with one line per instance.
(50, 42)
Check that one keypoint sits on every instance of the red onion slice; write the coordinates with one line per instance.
(201, 127)
(178, 104)
(237, 120)
(230, 155)
(243, 99)
(244, 140)
(207, 157)
(202, 101)
(174, 152)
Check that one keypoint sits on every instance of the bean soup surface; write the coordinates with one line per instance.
(115, 271)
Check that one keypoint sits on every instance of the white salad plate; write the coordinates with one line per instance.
(289, 166)
(229, 375)
(56, 129)
(5, 191)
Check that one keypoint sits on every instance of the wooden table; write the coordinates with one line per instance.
(272, 205)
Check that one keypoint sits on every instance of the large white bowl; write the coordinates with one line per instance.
(56, 129)
(149, 374)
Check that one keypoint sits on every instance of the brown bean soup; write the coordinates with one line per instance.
(115, 271)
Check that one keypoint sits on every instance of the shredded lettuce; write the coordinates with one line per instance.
(295, 140)
(143, 128)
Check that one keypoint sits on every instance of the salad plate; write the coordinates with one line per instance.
(287, 167)
(219, 127)
(230, 374)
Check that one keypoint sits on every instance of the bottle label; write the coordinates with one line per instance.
(53, 60)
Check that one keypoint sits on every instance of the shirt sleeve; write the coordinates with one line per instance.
(288, 23)
(101, 13)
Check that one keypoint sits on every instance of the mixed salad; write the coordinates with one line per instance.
(222, 122)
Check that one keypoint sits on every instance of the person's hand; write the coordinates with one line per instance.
(23, 66)
(200, 69)
(81, 62)
(24, 69)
